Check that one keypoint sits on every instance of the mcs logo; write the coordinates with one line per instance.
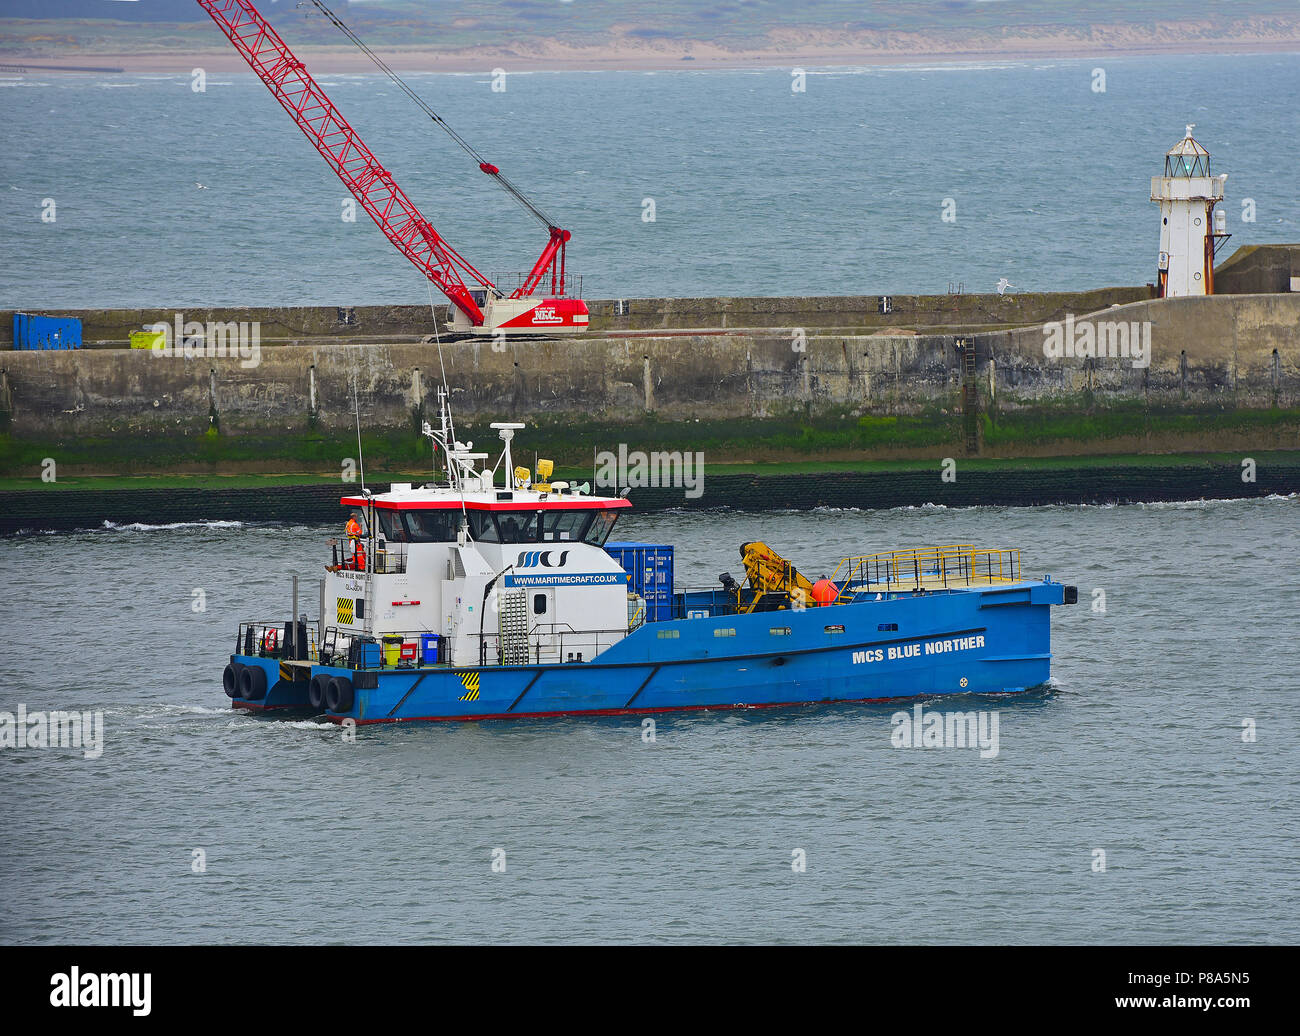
(543, 558)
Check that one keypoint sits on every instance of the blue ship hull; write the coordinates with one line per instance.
(987, 640)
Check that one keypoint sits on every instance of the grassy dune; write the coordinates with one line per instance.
(548, 31)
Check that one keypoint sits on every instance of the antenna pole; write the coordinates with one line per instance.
(356, 407)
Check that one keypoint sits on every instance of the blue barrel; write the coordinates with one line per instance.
(428, 648)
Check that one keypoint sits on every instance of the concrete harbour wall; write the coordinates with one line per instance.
(307, 325)
(1227, 351)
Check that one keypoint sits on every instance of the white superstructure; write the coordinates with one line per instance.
(1190, 229)
(505, 568)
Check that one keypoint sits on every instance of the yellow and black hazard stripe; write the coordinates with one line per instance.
(294, 673)
(470, 682)
(345, 605)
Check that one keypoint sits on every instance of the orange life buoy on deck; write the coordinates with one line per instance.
(824, 591)
(271, 639)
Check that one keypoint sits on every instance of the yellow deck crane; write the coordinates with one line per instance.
(773, 581)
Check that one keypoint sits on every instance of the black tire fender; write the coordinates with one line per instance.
(252, 683)
(338, 695)
(317, 690)
(230, 679)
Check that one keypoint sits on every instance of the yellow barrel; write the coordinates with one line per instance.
(392, 650)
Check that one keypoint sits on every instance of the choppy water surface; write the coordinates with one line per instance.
(757, 190)
(1137, 750)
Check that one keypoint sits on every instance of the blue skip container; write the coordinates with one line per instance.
(40, 333)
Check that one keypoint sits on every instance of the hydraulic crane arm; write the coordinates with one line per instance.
(370, 183)
(769, 572)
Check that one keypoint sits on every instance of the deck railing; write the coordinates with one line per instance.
(549, 643)
(928, 568)
(512, 280)
(388, 558)
(276, 640)
(709, 601)
(389, 649)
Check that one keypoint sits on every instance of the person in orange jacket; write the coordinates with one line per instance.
(355, 531)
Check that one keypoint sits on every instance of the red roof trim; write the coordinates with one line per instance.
(502, 505)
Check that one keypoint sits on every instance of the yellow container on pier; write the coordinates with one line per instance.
(148, 339)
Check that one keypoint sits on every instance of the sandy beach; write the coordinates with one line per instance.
(787, 50)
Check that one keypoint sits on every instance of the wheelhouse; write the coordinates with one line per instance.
(542, 521)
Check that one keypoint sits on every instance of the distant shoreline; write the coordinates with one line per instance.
(336, 60)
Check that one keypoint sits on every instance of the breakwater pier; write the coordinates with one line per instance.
(753, 384)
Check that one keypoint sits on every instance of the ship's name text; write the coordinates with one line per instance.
(928, 647)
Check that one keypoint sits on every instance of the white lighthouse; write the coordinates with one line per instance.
(1190, 229)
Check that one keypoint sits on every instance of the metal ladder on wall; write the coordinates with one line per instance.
(512, 624)
(328, 646)
(970, 401)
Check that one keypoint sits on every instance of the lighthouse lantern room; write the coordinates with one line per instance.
(1190, 229)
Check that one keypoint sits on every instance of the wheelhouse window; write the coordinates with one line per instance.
(545, 526)
(390, 525)
(564, 526)
(517, 526)
(430, 526)
(483, 527)
(602, 524)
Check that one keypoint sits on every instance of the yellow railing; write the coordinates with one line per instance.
(928, 568)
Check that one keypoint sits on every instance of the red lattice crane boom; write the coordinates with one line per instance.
(479, 305)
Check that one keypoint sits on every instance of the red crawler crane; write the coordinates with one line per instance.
(479, 305)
